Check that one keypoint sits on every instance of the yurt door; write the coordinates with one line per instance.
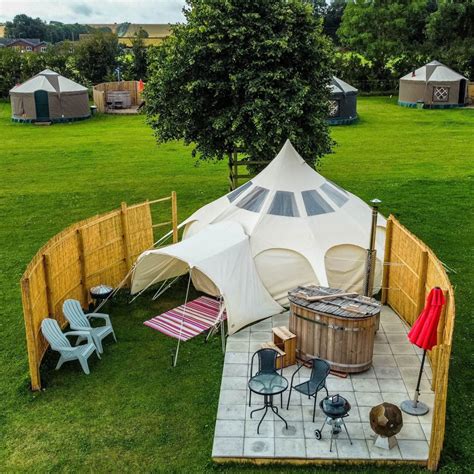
(42, 105)
(462, 91)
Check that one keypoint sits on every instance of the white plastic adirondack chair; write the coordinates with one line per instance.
(78, 320)
(60, 343)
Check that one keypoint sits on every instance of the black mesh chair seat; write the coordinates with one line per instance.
(317, 381)
(267, 364)
(308, 388)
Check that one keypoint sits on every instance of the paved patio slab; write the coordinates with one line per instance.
(392, 379)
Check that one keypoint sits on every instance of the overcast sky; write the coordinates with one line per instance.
(95, 11)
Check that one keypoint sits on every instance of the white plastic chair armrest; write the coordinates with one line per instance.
(106, 317)
(86, 334)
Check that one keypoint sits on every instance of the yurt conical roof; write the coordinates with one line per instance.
(295, 215)
(338, 86)
(49, 81)
(433, 71)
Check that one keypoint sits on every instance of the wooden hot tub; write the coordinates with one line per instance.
(340, 330)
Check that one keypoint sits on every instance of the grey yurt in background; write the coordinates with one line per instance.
(343, 103)
(49, 97)
(433, 86)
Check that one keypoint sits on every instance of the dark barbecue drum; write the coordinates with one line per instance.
(340, 330)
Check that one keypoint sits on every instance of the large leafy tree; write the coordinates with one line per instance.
(333, 18)
(381, 30)
(10, 70)
(243, 74)
(23, 26)
(450, 32)
(96, 57)
(139, 53)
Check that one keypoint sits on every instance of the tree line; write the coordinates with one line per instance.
(378, 41)
(97, 58)
(375, 42)
(23, 26)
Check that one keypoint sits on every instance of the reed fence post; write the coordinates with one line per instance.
(386, 260)
(82, 263)
(436, 361)
(438, 424)
(49, 283)
(420, 304)
(125, 234)
(174, 216)
(31, 342)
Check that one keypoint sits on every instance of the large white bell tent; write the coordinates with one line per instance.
(286, 227)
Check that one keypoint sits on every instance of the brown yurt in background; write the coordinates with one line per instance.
(49, 97)
(433, 86)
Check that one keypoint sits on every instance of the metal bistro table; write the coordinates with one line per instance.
(268, 385)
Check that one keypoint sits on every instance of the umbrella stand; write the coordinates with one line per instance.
(415, 407)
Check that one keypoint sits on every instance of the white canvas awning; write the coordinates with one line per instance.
(221, 264)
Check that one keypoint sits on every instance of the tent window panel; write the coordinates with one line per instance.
(237, 192)
(440, 94)
(334, 194)
(337, 186)
(333, 108)
(284, 204)
(315, 203)
(254, 200)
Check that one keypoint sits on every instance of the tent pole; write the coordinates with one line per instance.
(222, 330)
(162, 290)
(223, 336)
(215, 326)
(182, 320)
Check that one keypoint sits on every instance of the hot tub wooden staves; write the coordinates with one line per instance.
(340, 330)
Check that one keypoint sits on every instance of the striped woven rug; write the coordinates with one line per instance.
(196, 317)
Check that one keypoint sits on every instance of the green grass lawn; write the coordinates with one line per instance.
(135, 413)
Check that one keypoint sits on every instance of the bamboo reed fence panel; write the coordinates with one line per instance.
(411, 271)
(470, 92)
(99, 93)
(98, 97)
(97, 250)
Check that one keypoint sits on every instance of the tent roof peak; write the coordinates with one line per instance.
(288, 171)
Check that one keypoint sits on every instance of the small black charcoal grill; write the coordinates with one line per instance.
(100, 292)
(336, 408)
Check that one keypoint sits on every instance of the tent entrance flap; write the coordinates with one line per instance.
(42, 105)
(222, 264)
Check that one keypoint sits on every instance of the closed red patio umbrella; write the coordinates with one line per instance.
(424, 335)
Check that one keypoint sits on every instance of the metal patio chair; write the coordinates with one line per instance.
(60, 343)
(317, 381)
(78, 320)
(267, 364)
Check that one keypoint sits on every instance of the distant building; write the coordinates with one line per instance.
(126, 32)
(24, 45)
